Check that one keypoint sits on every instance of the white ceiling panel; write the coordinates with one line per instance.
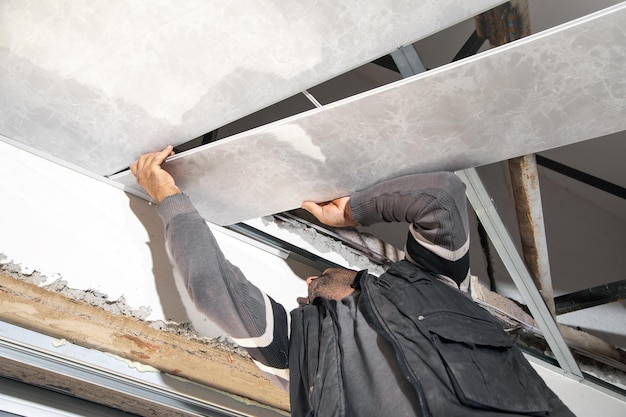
(558, 87)
(96, 83)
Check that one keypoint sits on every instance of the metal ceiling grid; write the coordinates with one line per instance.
(560, 86)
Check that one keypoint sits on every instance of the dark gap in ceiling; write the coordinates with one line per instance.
(357, 81)
(283, 109)
(470, 47)
(379, 72)
(387, 62)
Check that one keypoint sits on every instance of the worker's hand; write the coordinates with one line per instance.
(157, 182)
(334, 213)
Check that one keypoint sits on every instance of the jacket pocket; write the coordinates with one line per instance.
(485, 368)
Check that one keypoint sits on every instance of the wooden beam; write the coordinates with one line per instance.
(505, 23)
(29, 306)
(591, 297)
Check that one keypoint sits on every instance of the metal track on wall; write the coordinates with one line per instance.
(97, 369)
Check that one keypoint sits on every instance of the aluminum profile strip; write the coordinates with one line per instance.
(554, 88)
(20, 399)
(98, 83)
(408, 61)
(501, 240)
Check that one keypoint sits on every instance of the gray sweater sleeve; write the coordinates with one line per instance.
(220, 290)
(434, 205)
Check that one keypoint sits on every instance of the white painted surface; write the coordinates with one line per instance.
(579, 396)
(66, 224)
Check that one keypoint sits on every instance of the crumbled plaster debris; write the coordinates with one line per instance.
(603, 372)
(99, 299)
(22, 272)
(59, 342)
(224, 343)
(324, 244)
(90, 296)
(187, 330)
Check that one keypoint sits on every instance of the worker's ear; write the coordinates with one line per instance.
(303, 301)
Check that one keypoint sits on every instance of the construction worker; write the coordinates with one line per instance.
(407, 343)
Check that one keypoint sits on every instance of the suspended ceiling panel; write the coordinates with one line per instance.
(97, 83)
(558, 87)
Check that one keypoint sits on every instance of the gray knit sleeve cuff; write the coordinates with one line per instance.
(363, 208)
(174, 205)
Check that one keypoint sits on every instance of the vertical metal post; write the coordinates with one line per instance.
(525, 183)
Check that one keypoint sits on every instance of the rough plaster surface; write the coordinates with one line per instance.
(90, 296)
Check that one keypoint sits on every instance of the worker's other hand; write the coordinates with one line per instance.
(156, 181)
(334, 213)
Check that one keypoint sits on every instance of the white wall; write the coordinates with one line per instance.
(96, 237)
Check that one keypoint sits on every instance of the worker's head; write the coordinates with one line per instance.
(333, 284)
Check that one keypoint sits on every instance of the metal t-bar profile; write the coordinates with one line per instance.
(486, 212)
(408, 61)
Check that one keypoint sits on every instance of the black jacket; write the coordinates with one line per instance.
(453, 357)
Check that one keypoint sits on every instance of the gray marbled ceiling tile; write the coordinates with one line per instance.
(555, 88)
(98, 83)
